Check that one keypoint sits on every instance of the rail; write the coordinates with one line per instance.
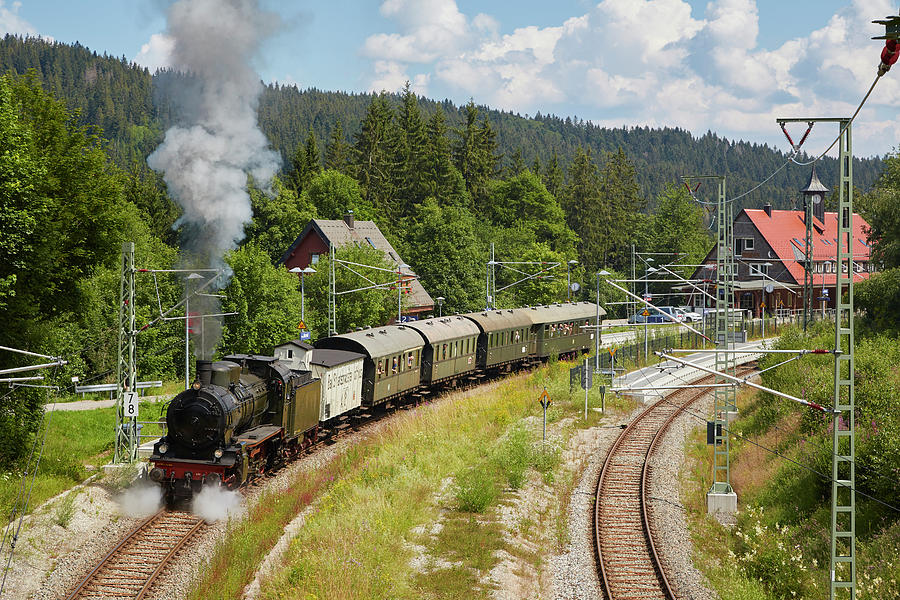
(628, 560)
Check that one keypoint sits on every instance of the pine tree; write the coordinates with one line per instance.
(373, 155)
(517, 163)
(338, 153)
(553, 176)
(475, 154)
(582, 206)
(409, 159)
(441, 179)
(621, 201)
(313, 157)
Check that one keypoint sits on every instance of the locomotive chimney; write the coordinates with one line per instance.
(204, 371)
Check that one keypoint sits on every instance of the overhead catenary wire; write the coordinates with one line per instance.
(726, 429)
(822, 447)
(844, 128)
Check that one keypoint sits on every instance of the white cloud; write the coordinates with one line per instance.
(11, 22)
(646, 62)
(391, 77)
(157, 53)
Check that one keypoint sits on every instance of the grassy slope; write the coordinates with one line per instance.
(780, 547)
(370, 505)
(77, 443)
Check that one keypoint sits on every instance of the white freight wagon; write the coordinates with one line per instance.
(341, 373)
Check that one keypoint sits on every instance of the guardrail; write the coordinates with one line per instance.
(111, 387)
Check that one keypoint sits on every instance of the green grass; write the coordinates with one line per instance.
(77, 444)
(450, 462)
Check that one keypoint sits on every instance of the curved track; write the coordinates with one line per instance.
(130, 569)
(627, 560)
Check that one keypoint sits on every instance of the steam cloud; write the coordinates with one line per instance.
(140, 500)
(214, 503)
(206, 158)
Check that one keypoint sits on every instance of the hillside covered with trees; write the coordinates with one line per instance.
(442, 182)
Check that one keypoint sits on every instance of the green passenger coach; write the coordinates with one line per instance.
(564, 329)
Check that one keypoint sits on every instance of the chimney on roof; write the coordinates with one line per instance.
(768, 209)
(349, 220)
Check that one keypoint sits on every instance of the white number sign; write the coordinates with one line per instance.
(131, 404)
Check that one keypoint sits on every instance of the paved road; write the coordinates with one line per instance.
(92, 404)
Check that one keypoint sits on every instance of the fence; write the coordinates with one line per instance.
(633, 356)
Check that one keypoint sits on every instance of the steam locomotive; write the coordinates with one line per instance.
(248, 414)
(243, 416)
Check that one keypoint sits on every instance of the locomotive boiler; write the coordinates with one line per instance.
(241, 417)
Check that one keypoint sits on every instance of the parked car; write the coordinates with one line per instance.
(656, 315)
(693, 317)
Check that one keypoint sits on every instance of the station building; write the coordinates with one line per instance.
(770, 258)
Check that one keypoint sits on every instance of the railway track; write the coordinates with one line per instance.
(627, 560)
(131, 568)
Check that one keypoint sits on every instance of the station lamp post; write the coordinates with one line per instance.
(440, 303)
(813, 196)
(302, 272)
(569, 265)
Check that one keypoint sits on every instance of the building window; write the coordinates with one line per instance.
(744, 244)
(290, 354)
(371, 243)
(314, 259)
(762, 270)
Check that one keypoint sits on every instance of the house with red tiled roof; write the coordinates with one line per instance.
(319, 234)
(770, 257)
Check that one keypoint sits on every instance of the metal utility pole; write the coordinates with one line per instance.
(633, 277)
(332, 297)
(597, 331)
(126, 370)
(843, 466)
(490, 282)
(725, 405)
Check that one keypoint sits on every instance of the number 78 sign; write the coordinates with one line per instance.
(130, 404)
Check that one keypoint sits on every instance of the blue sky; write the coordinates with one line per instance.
(730, 66)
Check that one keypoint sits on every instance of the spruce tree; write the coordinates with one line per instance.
(409, 159)
(338, 153)
(374, 153)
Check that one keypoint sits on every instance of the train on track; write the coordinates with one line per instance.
(248, 414)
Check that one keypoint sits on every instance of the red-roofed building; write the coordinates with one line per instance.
(770, 252)
(319, 234)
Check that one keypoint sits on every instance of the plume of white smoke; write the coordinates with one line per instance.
(206, 158)
(140, 500)
(214, 503)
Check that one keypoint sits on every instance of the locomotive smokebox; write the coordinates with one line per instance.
(204, 371)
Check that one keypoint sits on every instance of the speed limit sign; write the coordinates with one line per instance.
(131, 404)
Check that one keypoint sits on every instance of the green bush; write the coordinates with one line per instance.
(476, 488)
(65, 510)
(514, 456)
